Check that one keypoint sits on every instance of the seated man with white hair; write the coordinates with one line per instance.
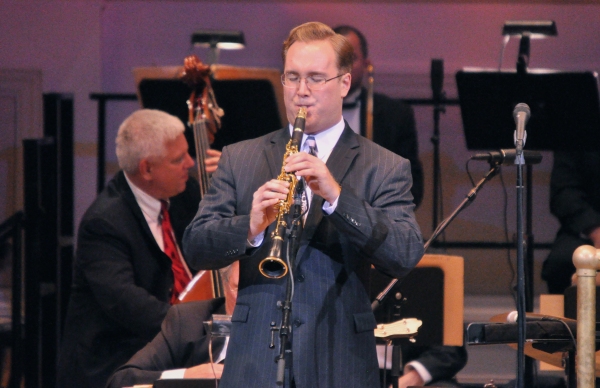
(129, 268)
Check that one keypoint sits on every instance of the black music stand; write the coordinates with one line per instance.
(565, 109)
(250, 106)
(565, 115)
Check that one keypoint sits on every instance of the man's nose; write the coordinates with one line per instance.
(189, 162)
(303, 88)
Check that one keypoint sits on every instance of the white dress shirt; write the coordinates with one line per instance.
(151, 207)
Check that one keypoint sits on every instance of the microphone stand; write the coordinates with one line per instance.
(438, 108)
(494, 168)
(293, 233)
(521, 308)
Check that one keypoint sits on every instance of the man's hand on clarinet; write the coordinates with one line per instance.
(263, 211)
(316, 174)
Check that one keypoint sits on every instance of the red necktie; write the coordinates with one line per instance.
(180, 275)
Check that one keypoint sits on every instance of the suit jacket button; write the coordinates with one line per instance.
(297, 323)
(300, 278)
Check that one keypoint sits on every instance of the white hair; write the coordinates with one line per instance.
(143, 134)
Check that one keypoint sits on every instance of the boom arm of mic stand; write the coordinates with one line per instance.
(494, 168)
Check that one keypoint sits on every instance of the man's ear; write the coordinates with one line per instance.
(346, 82)
(145, 168)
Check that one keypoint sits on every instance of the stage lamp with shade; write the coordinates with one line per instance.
(216, 40)
(527, 30)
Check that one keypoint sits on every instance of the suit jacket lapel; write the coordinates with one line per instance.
(276, 149)
(127, 195)
(343, 154)
(338, 163)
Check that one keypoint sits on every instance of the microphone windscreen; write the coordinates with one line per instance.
(512, 317)
(522, 108)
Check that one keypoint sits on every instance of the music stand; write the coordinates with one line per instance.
(565, 109)
(565, 115)
(251, 98)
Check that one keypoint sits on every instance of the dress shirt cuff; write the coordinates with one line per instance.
(256, 241)
(421, 370)
(329, 208)
(172, 374)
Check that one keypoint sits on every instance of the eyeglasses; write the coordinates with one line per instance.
(313, 82)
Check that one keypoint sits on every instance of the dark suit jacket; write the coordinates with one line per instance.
(121, 284)
(394, 129)
(333, 343)
(442, 362)
(181, 343)
(575, 201)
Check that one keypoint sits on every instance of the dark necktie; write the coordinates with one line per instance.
(180, 276)
(310, 146)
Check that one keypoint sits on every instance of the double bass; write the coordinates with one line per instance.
(205, 119)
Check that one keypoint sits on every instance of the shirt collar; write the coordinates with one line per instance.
(149, 205)
(326, 139)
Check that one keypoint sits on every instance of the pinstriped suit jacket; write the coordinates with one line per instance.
(332, 323)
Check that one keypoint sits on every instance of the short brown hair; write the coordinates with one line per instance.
(312, 31)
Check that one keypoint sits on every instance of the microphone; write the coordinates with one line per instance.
(508, 157)
(521, 114)
(437, 78)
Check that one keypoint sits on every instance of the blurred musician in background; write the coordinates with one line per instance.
(575, 201)
(128, 266)
(360, 214)
(181, 349)
(393, 122)
(394, 129)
